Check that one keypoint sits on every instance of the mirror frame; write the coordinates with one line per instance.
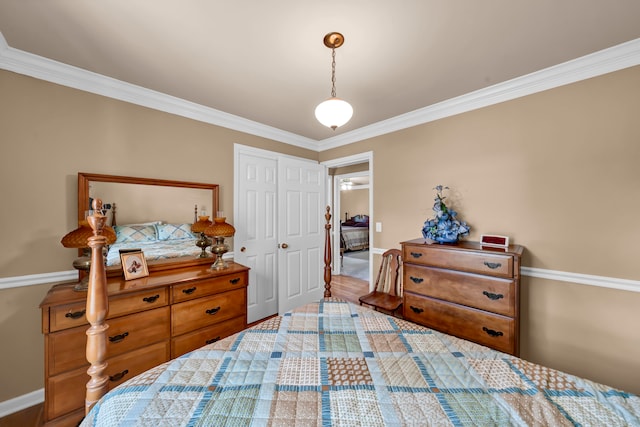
(84, 179)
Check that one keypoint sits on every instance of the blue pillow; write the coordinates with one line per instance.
(135, 233)
(174, 231)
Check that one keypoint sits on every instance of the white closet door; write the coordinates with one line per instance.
(301, 202)
(255, 242)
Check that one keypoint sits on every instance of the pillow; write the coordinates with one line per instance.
(135, 233)
(174, 231)
(361, 218)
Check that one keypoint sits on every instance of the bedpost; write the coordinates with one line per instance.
(327, 254)
(97, 309)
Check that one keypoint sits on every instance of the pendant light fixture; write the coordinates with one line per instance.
(333, 112)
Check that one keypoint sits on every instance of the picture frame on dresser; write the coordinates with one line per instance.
(134, 265)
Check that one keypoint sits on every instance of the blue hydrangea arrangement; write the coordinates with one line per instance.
(445, 227)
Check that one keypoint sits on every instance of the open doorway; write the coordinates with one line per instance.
(354, 222)
(351, 182)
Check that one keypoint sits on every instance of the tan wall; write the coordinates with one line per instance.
(355, 202)
(557, 172)
(49, 134)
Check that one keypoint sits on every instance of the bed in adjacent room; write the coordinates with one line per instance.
(354, 233)
(333, 363)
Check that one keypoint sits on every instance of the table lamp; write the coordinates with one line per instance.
(219, 230)
(78, 239)
(199, 227)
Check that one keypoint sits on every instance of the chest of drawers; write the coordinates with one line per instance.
(465, 290)
(151, 320)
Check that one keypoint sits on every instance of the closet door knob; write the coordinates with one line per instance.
(284, 246)
(242, 249)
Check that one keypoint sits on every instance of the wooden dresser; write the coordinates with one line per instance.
(151, 320)
(465, 290)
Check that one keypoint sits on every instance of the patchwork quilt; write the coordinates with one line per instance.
(333, 363)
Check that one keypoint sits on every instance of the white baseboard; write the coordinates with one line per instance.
(19, 403)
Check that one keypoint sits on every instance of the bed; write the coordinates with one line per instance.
(354, 233)
(335, 363)
(156, 240)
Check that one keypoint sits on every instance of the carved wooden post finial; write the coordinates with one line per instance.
(97, 309)
(327, 254)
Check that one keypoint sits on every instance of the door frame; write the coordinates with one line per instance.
(335, 219)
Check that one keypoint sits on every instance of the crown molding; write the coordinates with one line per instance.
(602, 62)
(52, 71)
(616, 58)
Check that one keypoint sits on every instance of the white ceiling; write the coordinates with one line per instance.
(264, 60)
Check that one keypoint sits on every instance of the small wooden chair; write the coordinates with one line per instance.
(387, 295)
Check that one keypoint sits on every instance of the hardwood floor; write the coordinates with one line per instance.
(348, 288)
(345, 287)
(30, 417)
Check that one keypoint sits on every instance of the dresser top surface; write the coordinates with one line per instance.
(466, 245)
(64, 293)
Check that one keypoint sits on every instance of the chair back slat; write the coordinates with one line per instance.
(389, 278)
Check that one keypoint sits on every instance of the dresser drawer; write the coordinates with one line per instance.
(484, 292)
(132, 303)
(71, 315)
(66, 392)
(493, 264)
(195, 314)
(491, 330)
(191, 290)
(68, 316)
(125, 333)
(194, 340)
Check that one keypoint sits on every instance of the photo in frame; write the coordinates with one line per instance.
(134, 265)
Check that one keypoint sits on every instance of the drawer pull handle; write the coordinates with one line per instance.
(416, 254)
(213, 310)
(416, 310)
(76, 314)
(212, 340)
(118, 338)
(151, 299)
(491, 332)
(118, 376)
(234, 281)
(189, 291)
(492, 265)
(492, 296)
(416, 279)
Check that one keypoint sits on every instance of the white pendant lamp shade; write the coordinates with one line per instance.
(334, 112)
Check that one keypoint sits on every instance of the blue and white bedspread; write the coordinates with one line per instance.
(155, 250)
(335, 363)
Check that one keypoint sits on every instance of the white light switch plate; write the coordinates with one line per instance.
(378, 227)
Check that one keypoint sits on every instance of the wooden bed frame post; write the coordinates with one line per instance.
(327, 254)
(97, 309)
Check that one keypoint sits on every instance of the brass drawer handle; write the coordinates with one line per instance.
(492, 296)
(118, 338)
(212, 340)
(416, 254)
(492, 265)
(234, 281)
(416, 279)
(491, 332)
(76, 314)
(151, 299)
(118, 376)
(213, 310)
(189, 291)
(416, 310)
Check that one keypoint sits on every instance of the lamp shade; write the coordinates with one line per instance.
(220, 228)
(79, 238)
(334, 112)
(202, 224)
